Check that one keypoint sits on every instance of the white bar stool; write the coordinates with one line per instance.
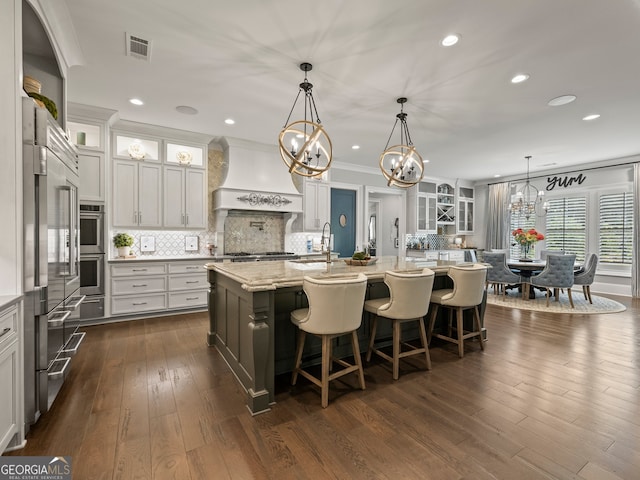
(335, 309)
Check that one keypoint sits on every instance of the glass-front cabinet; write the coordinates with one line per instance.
(466, 203)
(426, 207)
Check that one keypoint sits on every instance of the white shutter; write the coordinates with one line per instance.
(566, 226)
(616, 228)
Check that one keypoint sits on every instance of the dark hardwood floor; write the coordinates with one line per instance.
(552, 396)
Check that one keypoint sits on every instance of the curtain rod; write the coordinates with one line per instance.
(568, 171)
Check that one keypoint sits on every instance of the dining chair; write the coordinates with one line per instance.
(499, 275)
(544, 253)
(586, 276)
(335, 309)
(557, 274)
(467, 293)
(408, 301)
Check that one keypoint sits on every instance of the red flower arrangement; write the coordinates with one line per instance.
(528, 238)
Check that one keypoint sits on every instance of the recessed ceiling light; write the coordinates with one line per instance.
(561, 100)
(521, 77)
(187, 110)
(497, 175)
(136, 101)
(425, 161)
(450, 40)
(592, 116)
(355, 147)
(229, 121)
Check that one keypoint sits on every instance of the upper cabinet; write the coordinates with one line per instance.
(158, 182)
(445, 209)
(466, 203)
(88, 129)
(421, 208)
(316, 203)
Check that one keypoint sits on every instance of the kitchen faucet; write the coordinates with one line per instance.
(328, 238)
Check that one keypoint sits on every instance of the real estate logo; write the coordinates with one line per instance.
(35, 468)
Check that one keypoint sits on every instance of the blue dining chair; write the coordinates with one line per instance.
(586, 276)
(499, 275)
(557, 274)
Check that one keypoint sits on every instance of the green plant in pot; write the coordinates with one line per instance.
(123, 242)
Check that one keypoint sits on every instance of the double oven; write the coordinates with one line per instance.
(92, 261)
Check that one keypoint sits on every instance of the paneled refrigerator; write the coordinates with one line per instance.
(51, 258)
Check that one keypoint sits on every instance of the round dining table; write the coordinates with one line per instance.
(526, 270)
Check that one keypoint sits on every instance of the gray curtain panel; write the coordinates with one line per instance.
(498, 216)
(635, 267)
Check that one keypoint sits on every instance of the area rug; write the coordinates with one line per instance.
(582, 306)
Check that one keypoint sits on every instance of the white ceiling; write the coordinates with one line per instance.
(240, 59)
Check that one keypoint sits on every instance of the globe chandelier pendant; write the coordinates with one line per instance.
(401, 164)
(529, 200)
(305, 147)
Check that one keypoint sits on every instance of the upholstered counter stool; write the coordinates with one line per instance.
(408, 301)
(467, 293)
(335, 309)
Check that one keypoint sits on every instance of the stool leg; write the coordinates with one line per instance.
(396, 349)
(425, 345)
(460, 332)
(299, 347)
(357, 358)
(326, 359)
(476, 320)
(432, 321)
(372, 338)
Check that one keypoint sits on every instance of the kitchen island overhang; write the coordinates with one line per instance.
(250, 304)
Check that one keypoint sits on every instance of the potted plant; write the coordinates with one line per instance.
(123, 242)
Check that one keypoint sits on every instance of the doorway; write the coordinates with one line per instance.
(343, 221)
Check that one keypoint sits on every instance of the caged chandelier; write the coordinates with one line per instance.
(401, 164)
(529, 201)
(305, 147)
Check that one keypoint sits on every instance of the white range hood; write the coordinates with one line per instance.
(254, 177)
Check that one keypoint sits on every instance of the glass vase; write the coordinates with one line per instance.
(524, 253)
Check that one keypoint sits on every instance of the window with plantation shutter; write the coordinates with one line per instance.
(616, 228)
(566, 226)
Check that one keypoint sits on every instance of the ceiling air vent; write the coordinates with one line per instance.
(138, 47)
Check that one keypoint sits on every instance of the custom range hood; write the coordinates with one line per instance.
(251, 176)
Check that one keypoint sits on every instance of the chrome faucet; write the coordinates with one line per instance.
(328, 239)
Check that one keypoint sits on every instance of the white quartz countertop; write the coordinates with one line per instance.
(259, 276)
(203, 258)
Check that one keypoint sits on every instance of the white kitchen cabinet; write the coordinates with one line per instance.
(421, 208)
(10, 375)
(466, 204)
(92, 181)
(185, 200)
(137, 195)
(316, 204)
(148, 286)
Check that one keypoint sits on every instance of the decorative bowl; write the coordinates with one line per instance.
(361, 263)
(135, 151)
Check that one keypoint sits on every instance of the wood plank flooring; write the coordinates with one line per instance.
(551, 397)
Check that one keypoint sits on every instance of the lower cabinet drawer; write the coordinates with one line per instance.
(188, 282)
(138, 303)
(8, 325)
(127, 286)
(197, 298)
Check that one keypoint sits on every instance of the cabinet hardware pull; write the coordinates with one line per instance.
(187, 222)
(192, 268)
(192, 298)
(8, 329)
(193, 281)
(139, 285)
(139, 270)
(139, 303)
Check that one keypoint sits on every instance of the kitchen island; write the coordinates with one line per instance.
(250, 304)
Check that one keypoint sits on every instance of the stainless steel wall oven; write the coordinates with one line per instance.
(91, 229)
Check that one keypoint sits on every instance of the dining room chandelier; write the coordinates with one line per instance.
(401, 164)
(529, 200)
(305, 146)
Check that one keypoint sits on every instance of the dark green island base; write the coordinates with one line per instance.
(250, 304)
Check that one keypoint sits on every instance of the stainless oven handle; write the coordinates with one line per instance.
(87, 302)
(60, 371)
(59, 320)
(77, 303)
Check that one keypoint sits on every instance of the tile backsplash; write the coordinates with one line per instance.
(167, 243)
(253, 232)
